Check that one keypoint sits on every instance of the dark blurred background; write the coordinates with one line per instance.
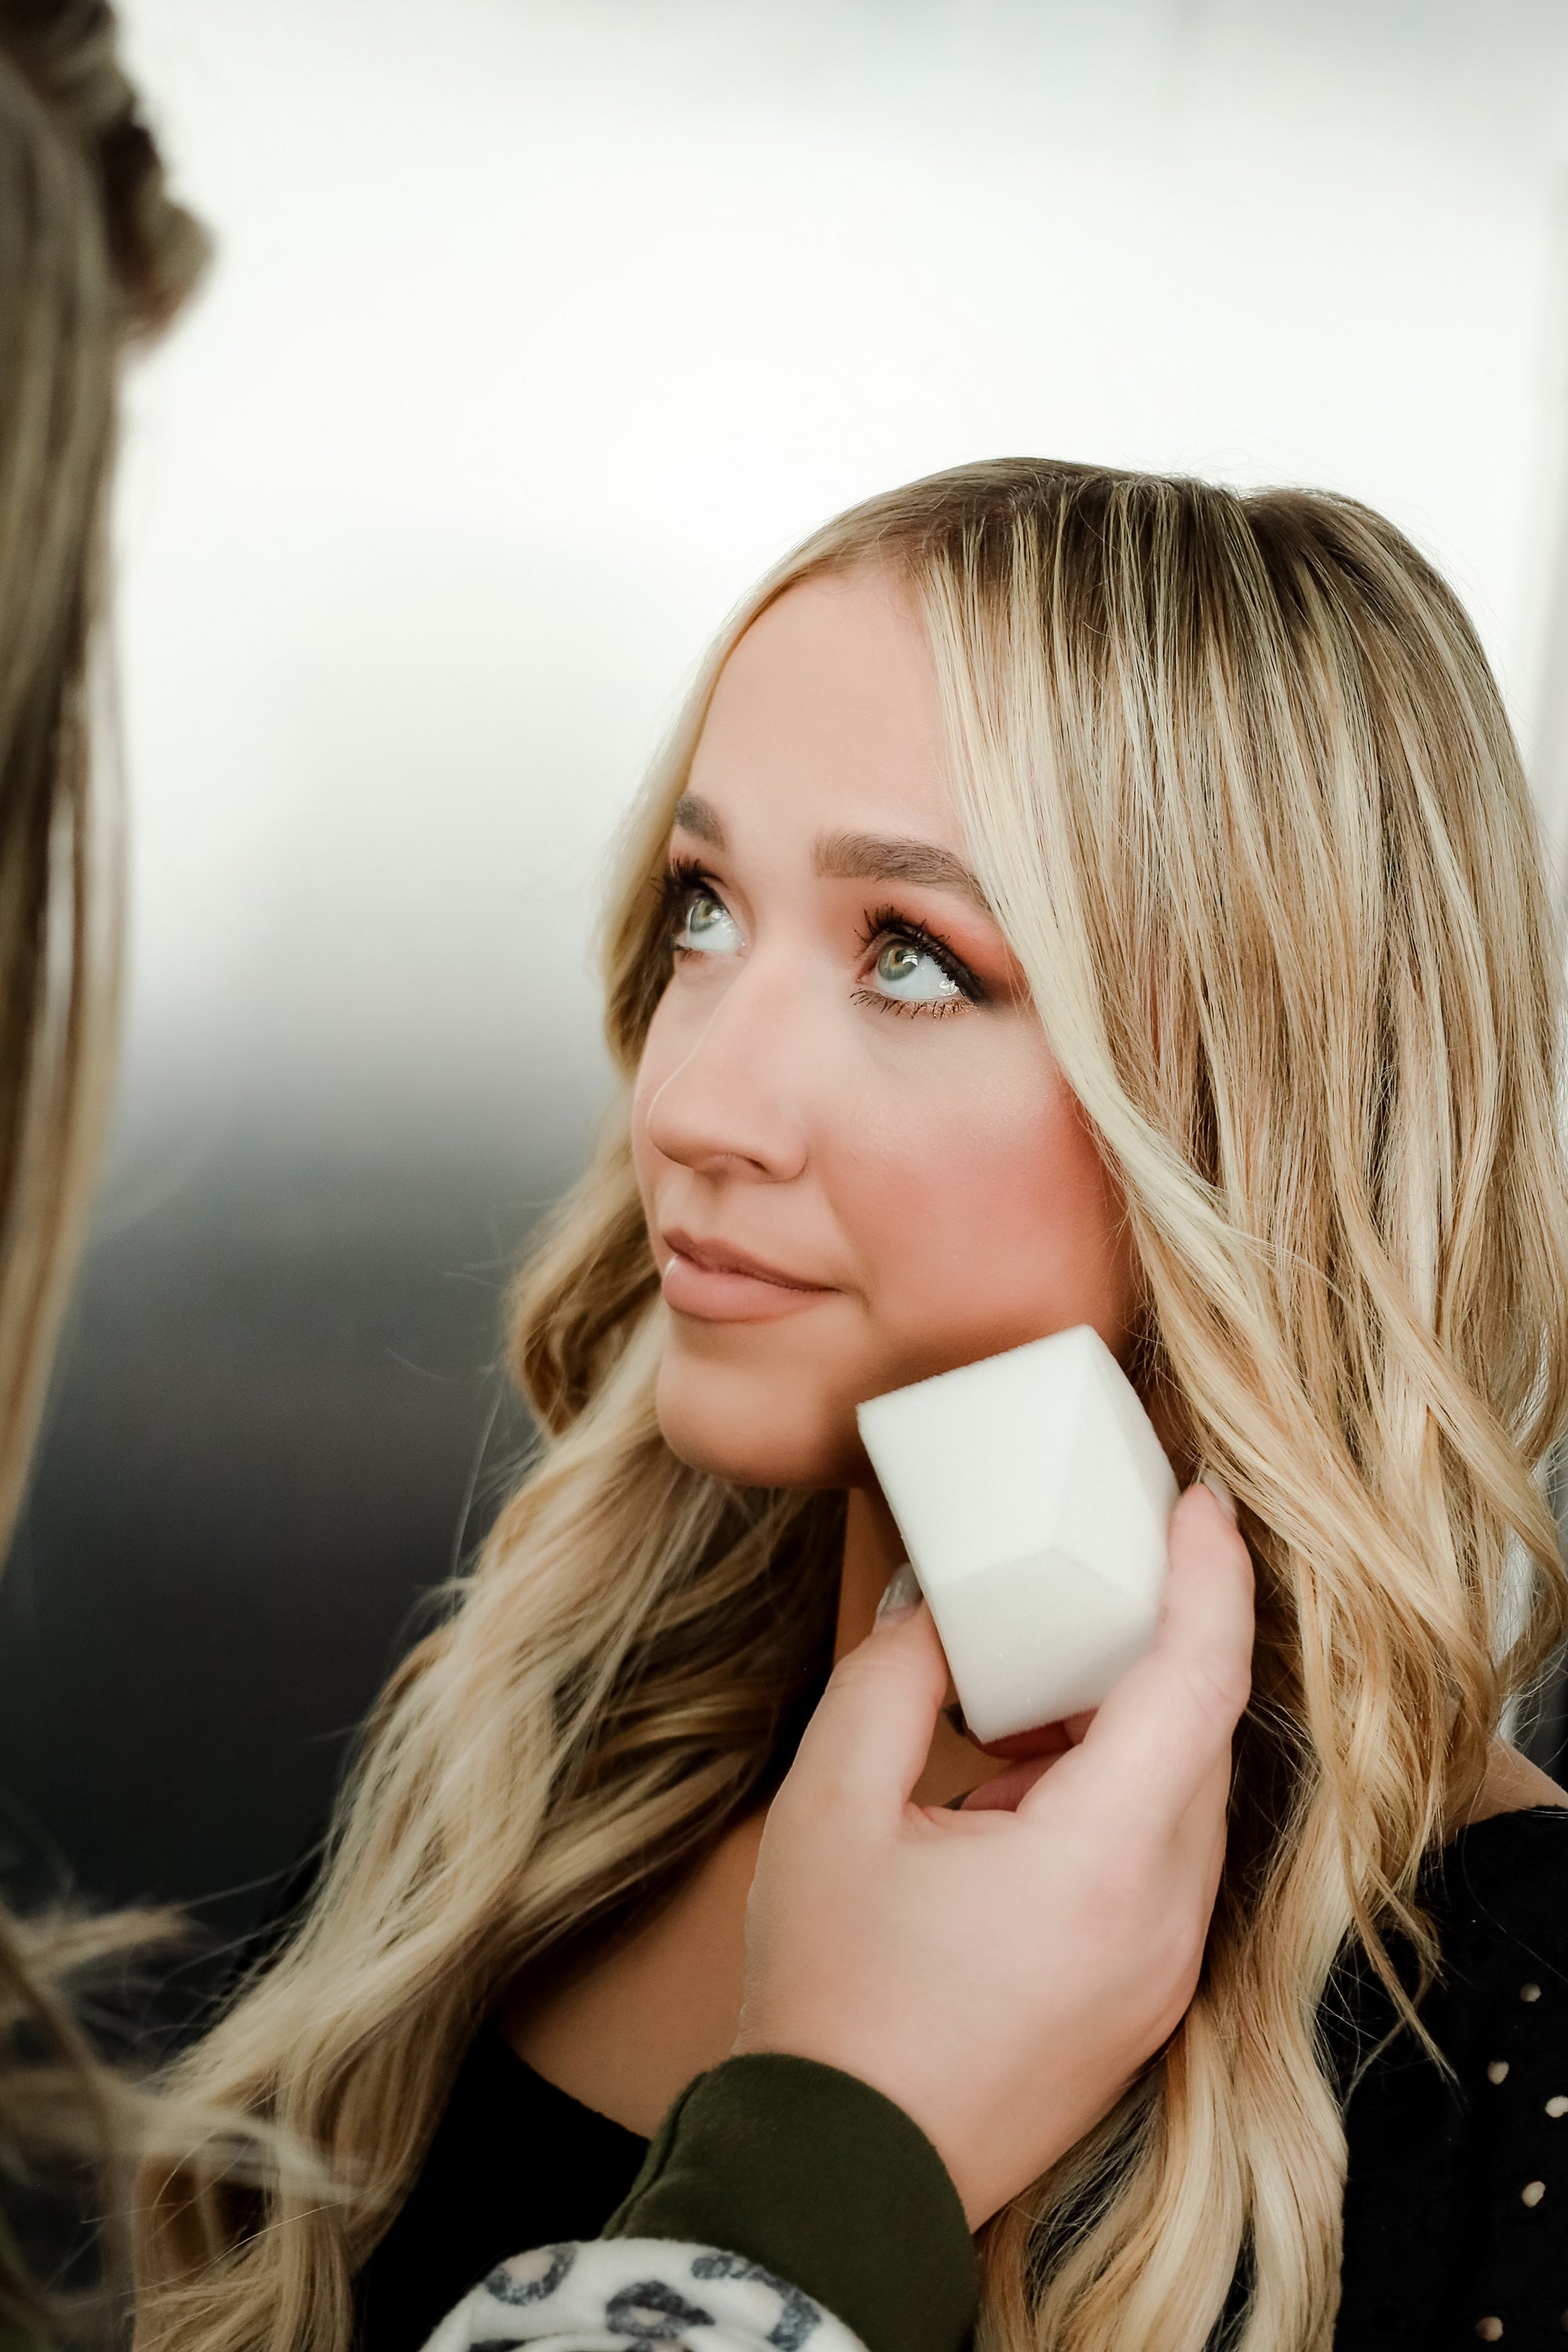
(280, 1420)
(538, 328)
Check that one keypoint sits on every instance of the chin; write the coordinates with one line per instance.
(755, 1431)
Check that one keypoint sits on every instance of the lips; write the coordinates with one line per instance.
(719, 1284)
(719, 1257)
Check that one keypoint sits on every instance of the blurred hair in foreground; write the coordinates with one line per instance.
(94, 257)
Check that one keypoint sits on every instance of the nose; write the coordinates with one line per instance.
(733, 1105)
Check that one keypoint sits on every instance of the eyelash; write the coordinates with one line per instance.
(884, 923)
(682, 876)
(686, 875)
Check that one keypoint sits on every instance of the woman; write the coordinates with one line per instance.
(1071, 896)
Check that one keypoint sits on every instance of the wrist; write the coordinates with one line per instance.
(755, 2039)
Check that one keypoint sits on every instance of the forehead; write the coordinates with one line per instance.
(826, 715)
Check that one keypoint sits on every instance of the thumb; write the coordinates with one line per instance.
(874, 1723)
(1166, 1727)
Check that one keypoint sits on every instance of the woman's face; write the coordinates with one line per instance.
(859, 1161)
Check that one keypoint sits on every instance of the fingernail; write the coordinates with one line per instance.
(1221, 1493)
(902, 1595)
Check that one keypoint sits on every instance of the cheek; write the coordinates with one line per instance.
(989, 1220)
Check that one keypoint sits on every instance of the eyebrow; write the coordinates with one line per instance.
(698, 817)
(855, 856)
(878, 857)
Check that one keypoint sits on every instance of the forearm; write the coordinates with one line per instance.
(781, 2201)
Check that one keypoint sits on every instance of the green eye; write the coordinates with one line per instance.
(910, 973)
(706, 926)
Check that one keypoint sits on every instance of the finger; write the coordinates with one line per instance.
(1003, 1793)
(1168, 1722)
(872, 1730)
(1172, 1716)
(1199, 1840)
(1048, 1740)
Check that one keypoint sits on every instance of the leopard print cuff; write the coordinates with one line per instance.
(613, 2295)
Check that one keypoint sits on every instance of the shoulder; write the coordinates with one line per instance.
(1457, 2183)
(1513, 1784)
(1503, 1880)
(1500, 1903)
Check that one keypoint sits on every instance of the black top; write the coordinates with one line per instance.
(515, 2162)
(1456, 2197)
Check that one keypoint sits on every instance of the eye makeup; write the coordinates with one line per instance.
(887, 926)
(679, 878)
(686, 878)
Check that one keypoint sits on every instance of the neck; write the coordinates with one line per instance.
(872, 1550)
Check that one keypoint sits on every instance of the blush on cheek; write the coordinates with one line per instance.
(957, 1190)
(999, 1231)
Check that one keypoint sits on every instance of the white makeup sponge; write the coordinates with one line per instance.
(1032, 1495)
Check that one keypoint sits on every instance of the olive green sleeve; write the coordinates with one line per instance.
(821, 2180)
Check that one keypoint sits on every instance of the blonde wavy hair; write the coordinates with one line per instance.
(1240, 788)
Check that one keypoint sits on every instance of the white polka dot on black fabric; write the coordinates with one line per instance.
(1557, 2107)
(1498, 2071)
(1489, 2330)
(1533, 2192)
(1529, 1993)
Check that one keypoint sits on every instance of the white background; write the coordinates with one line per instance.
(538, 327)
